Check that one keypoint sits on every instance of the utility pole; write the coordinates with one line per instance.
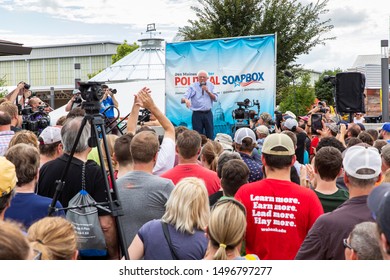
(385, 79)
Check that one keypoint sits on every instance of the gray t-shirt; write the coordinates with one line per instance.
(143, 197)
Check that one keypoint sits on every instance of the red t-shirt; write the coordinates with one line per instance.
(279, 215)
(314, 142)
(213, 183)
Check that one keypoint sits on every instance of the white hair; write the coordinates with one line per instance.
(203, 72)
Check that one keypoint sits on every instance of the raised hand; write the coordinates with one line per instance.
(145, 97)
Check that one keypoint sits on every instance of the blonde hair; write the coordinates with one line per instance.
(13, 243)
(227, 226)
(26, 137)
(211, 151)
(386, 176)
(55, 237)
(188, 207)
(111, 138)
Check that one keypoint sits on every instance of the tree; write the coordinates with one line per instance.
(298, 26)
(91, 75)
(123, 50)
(324, 90)
(220, 19)
(2, 83)
(299, 98)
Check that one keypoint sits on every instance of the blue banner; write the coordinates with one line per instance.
(240, 68)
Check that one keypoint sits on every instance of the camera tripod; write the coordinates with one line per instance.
(114, 208)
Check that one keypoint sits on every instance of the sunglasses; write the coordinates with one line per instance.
(226, 199)
(346, 245)
(37, 255)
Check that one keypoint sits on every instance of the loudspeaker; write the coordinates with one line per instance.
(350, 92)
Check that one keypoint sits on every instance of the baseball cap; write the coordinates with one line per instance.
(378, 202)
(266, 117)
(386, 127)
(50, 135)
(262, 129)
(243, 133)
(359, 157)
(333, 127)
(289, 115)
(343, 122)
(225, 140)
(8, 177)
(362, 127)
(305, 118)
(275, 140)
(290, 123)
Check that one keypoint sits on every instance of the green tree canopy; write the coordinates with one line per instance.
(324, 90)
(298, 98)
(123, 50)
(298, 26)
(2, 83)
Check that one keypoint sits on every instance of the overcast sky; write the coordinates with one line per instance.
(360, 25)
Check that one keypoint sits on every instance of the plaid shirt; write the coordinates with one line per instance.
(5, 138)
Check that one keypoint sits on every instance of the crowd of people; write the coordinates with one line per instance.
(270, 192)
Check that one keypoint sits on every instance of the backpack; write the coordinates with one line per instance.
(83, 214)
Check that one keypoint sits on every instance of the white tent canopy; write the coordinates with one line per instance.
(143, 67)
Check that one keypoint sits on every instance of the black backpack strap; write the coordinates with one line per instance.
(168, 238)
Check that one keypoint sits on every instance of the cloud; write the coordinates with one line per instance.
(346, 17)
(170, 12)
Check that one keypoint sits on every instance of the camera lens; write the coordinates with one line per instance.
(27, 86)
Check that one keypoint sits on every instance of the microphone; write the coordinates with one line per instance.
(288, 74)
(201, 85)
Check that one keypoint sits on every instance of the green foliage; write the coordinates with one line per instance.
(123, 50)
(301, 99)
(325, 90)
(90, 76)
(298, 26)
(221, 19)
(2, 83)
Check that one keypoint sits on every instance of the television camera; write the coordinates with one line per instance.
(143, 117)
(242, 115)
(92, 93)
(35, 121)
(242, 112)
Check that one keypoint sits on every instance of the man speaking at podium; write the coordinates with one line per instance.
(199, 98)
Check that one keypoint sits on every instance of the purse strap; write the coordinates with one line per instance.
(169, 241)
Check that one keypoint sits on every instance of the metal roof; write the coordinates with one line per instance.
(362, 60)
(11, 48)
(145, 63)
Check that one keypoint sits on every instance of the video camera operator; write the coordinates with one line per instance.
(107, 102)
(35, 115)
(23, 90)
(37, 105)
(75, 101)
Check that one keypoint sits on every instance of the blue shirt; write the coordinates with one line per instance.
(27, 208)
(199, 101)
(105, 104)
(187, 246)
(255, 167)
